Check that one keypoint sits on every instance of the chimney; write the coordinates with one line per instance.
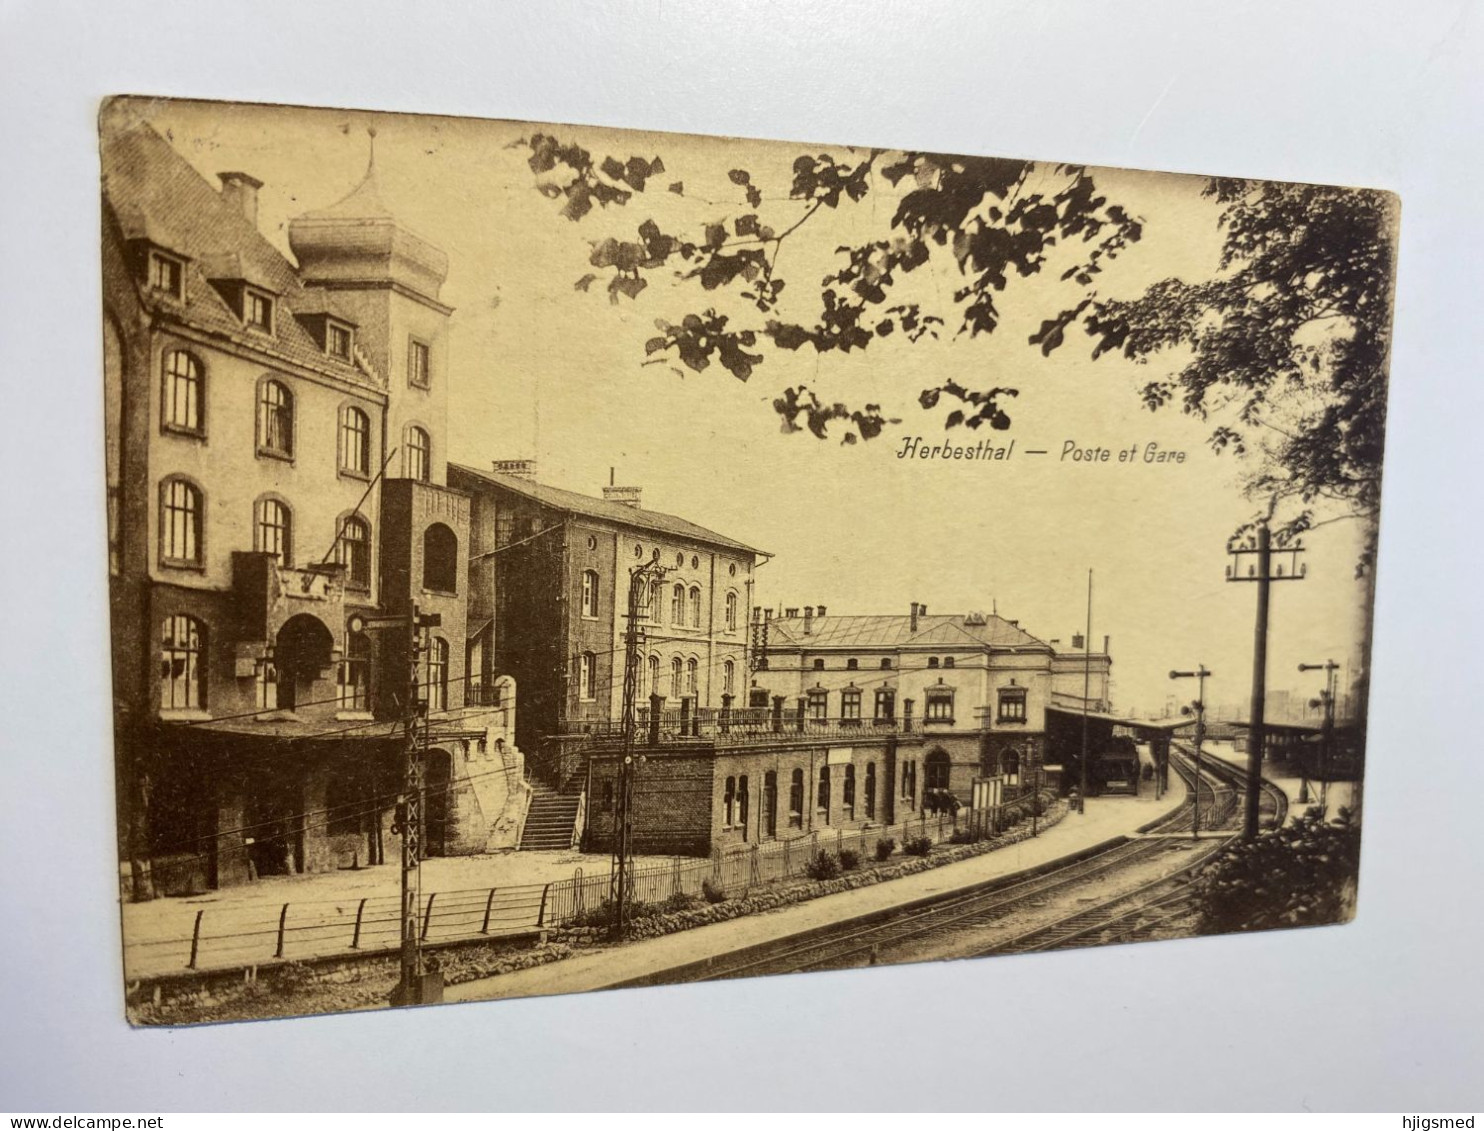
(624, 496)
(240, 191)
(808, 619)
(914, 616)
(789, 614)
(1105, 645)
(520, 468)
(820, 611)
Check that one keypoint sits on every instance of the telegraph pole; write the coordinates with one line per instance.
(640, 578)
(1199, 706)
(1260, 572)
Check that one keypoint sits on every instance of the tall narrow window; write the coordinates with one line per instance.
(590, 593)
(695, 608)
(819, 704)
(265, 685)
(656, 602)
(353, 551)
(729, 804)
(728, 676)
(337, 341)
(587, 676)
(677, 605)
(419, 364)
(847, 794)
(182, 392)
(850, 705)
(275, 419)
(273, 531)
(437, 676)
(677, 675)
(353, 679)
(796, 800)
(731, 612)
(690, 676)
(654, 675)
(419, 454)
(355, 441)
(870, 791)
(742, 804)
(886, 704)
(440, 559)
(180, 522)
(822, 795)
(182, 663)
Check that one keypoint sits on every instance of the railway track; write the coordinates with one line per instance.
(1019, 907)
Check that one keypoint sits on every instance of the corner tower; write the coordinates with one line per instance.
(388, 279)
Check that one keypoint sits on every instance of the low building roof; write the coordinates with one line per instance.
(896, 631)
(636, 518)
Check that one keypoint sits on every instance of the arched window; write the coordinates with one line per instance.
(275, 419)
(690, 676)
(743, 803)
(273, 531)
(182, 663)
(353, 551)
(677, 674)
(587, 676)
(822, 795)
(355, 441)
(695, 607)
(819, 664)
(180, 522)
(654, 675)
(656, 602)
(728, 675)
(796, 800)
(440, 559)
(847, 793)
(729, 804)
(1010, 766)
(870, 791)
(948, 661)
(677, 605)
(852, 664)
(731, 612)
(437, 679)
(183, 389)
(590, 593)
(418, 454)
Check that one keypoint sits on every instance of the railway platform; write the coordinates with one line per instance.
(1340, 793)
(1105, 819)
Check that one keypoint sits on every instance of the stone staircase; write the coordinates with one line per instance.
(551, 821)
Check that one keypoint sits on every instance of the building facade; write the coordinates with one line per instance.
(975, 686)
(278, 508)
(550, 579)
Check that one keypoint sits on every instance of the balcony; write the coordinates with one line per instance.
(736, 726)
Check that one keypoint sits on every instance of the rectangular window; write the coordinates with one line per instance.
(850, 706)
(796, 800)
(886, 705)
(847, 794)
(819, 705)
(165, 274)
(419, 364)
(1012, 705)
(257, 310)
(350, 684)
(338, 341)
(822, 795)
(729, 804)
(939, 708)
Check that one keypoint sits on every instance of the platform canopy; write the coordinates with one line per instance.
(1120, 720)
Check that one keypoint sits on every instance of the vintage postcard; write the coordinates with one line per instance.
(547, 558)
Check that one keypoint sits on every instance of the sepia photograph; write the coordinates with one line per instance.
(551, 558)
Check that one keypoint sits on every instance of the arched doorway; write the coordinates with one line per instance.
(1010, 766)
(437, 787)
(936, 769)
(301, 655)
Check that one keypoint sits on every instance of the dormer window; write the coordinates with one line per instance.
(166, 274)
(257, 310)
(338, 341)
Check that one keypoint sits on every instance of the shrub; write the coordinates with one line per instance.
(850, 859)
(962, 836)
(918, 846)
(713, 891)
(823, 866)
(680, 901)
(885, 847)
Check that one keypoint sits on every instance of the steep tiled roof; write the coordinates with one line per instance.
(151, 192)
(894, 631)
(636, 518)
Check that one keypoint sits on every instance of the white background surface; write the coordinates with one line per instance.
(1383, 1014)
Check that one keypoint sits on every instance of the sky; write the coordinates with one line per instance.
(540, 369)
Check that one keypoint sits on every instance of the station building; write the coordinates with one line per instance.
(275, 439)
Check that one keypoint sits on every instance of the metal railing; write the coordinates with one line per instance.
(736, 726)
